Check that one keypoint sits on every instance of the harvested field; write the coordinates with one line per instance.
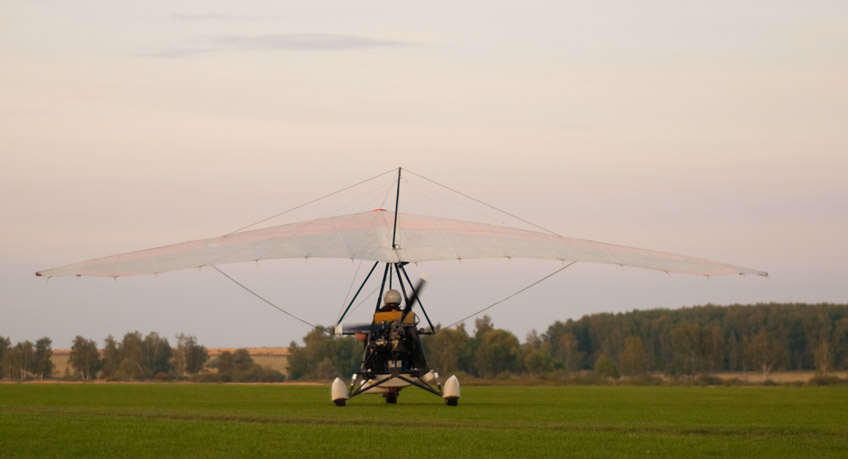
(274, 357)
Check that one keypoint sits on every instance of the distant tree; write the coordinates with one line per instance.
(5, 344)
(632, 358)
(188, 357)
(156, 355)
(43, 365)
(26, 358)
(136, 357)
(84, 358)
(536, 354)
(239, 366)
(342, 352)
(131, 352)
(303, 361)
(766, 352)
(569, 354)
(840, 343)
(178, 357)
(345, 353)
(449, 350)
(482, 325)
(606, 368)
(734, 355)
(607, 333)
(497, 352)
(746, 359)
(824, 356)
(196, 358)
(111, 359)
(325, 369)
(553, 334)
(298, 364)
(224, 363)
(11, 363)
(712, 348)
(129, 370)
(685, 349)
(19, 360)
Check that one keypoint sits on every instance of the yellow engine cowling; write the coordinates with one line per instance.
(389, 316)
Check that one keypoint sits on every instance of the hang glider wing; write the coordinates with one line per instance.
(368, 236)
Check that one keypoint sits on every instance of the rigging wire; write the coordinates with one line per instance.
(370, 294)
(437, 194)
(366, 197)
(269, 303)
(481, 202)
(310, 202)
(417, 194)
(510, 296)
(366, 298)
(388, 194)
(349, 289)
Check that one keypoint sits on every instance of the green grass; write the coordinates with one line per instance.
(176, 420)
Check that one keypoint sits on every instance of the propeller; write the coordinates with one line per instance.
(364, 328)
(412, 298)
(357, 328)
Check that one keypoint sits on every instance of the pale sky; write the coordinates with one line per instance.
(712, 129)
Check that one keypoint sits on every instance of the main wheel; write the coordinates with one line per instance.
(391, 397)
(451, 401)
(340, 402)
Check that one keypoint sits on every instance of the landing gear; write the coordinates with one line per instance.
(391, 396)
(389, 386)
(338, 392)
(451, 391)
(392, 356)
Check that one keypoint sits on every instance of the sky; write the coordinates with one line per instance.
(712, 129)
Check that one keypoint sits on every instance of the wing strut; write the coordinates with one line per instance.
(357, 292)
(403, 281)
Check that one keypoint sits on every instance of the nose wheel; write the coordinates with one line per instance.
(391, 396)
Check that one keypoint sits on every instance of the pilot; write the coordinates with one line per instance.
(390, 310)
(391, 301)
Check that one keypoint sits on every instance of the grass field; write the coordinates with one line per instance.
(170, 420)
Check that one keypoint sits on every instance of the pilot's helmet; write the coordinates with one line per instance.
(392, 296)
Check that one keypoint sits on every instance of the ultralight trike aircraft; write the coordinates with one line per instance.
(393, 356)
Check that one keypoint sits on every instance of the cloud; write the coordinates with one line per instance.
(274, 42)
(286, 42)
(175, 53)
(205, 17)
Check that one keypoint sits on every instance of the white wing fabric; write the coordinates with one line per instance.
(368, 236)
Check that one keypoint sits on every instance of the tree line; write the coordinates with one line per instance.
(26, 360)
(136, 357)
(679, 343)
(707, 339)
